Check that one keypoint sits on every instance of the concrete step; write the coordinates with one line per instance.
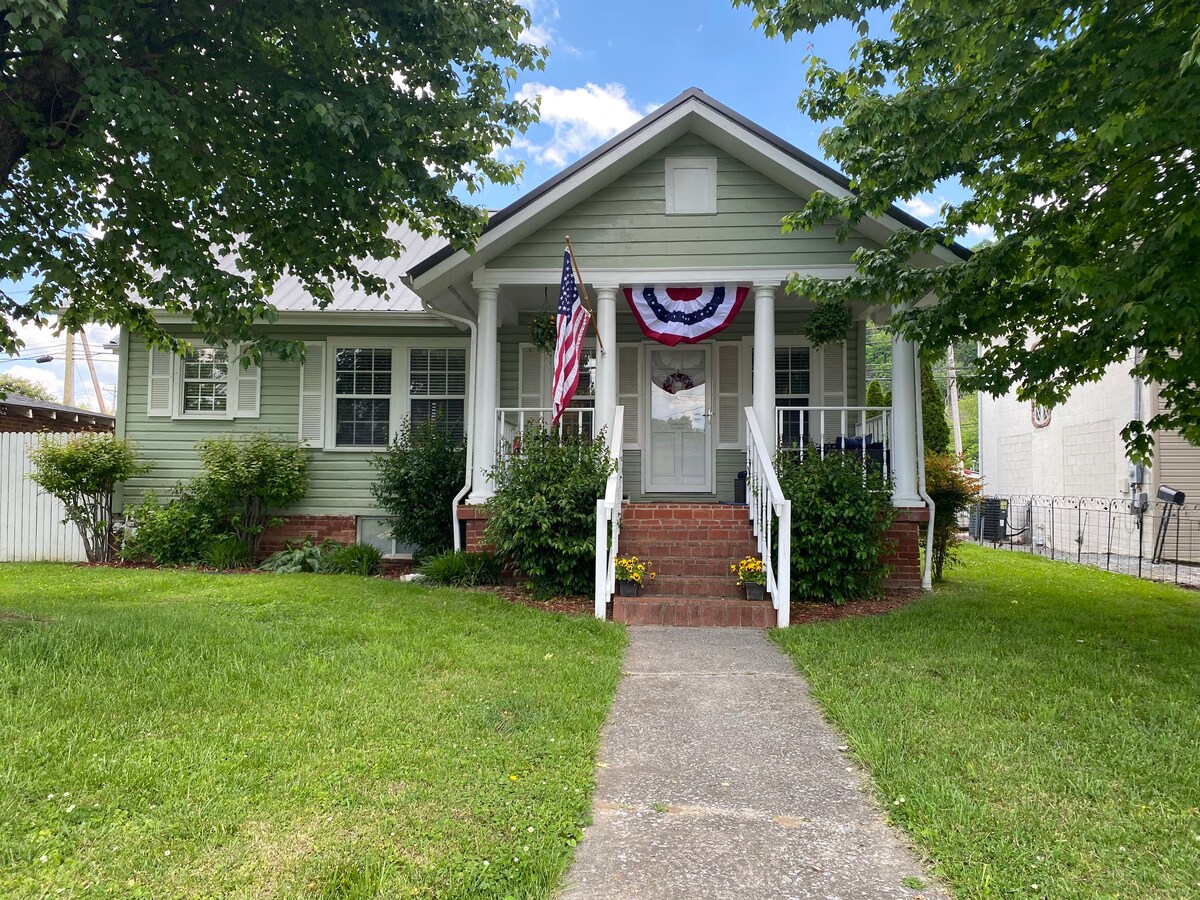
(691, 611)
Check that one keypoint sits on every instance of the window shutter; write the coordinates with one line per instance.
(629, 388)
(729, 396)
(247, 387)
(160, 383)
(833, 371)
(312, 396)
(534, 378)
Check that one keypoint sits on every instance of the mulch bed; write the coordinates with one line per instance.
(805, 612)
(572, 606)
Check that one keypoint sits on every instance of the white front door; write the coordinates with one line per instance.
(678, 456)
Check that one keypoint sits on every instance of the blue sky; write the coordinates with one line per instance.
(610, 63)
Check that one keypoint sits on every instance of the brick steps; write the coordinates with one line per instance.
(691, 547)
(693, 611)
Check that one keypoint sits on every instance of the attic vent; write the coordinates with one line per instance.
(691, 186)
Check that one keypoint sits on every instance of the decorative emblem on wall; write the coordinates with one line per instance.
(1040, 415)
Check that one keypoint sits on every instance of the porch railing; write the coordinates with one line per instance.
(866, 430)
(771, 518)
(608, 519)
(512, 420)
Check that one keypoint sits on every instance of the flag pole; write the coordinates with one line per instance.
(583, 291)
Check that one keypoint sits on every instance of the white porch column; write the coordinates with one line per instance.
(763, 385)
(905, 410)
(484, 439)
(606, 359)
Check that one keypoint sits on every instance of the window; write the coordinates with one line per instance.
(362, 388)
(438, 388)
(377, 531)
(205, 382)
(793, 387)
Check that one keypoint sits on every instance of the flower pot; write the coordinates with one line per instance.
(628, 588)
(755, 591)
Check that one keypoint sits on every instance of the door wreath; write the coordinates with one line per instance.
(678, 381)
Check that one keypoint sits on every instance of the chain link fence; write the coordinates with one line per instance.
(1159, 541)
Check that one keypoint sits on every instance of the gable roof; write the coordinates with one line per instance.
(693, 110)
(42, 414)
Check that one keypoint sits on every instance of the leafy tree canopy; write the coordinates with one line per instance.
(1075, 127)
(142, 141)
(23, 387)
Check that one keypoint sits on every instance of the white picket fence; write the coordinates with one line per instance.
(31, 526)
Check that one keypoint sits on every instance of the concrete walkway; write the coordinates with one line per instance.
(720, 779)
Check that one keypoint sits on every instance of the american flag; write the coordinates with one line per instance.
(573, 321)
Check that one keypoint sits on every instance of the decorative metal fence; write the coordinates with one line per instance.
(1159, 541)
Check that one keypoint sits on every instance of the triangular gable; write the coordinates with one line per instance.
(691, 113)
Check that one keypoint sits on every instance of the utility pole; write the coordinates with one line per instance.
(955, 419)
(87, 353)
(69, 371)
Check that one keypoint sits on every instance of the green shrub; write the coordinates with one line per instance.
(245, 480)
(876, 395)
(934, 425)
(227, 551)
(352, 559)
(418, 477)
(177, 534)
(82, 472)
(841, 510)
(463, 569)
(953, 491)
(543, 515)
(299, 556)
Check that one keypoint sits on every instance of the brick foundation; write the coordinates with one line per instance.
(474, 518)
(907, 532)
(343, 529)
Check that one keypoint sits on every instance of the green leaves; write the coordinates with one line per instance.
(1074, 130)
(138, 147)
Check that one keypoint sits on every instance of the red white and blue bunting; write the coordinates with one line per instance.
(684, 315)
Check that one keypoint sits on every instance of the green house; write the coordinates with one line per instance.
(678, 217)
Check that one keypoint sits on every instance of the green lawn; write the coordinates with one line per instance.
(1035, 726)
(169, 734)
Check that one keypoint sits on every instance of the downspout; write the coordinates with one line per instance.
(470, 419)
(927, 575)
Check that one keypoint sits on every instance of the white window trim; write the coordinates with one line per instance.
(691, 162)
(399, 405)
(815, 367)
(233, 362)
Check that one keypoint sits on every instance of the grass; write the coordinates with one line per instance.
(1035, 726)
(168, 734)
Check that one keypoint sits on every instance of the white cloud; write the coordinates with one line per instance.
(927, 210)
(976, 233)
(580, 119)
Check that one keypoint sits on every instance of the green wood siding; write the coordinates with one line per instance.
(340, 481)
(625, 224)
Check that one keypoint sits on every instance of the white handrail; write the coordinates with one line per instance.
(608, 519)
(511, 422)
(770, 511)
(866, 430)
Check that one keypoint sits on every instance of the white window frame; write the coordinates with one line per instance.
(465, 396)
(232, 364)
(398, 407)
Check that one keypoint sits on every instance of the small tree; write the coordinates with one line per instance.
(933, 411)
(543, 515)
(82, 472)
(24, 387)
(841, 510)
(953, 491)
(249, 479)
(418, 477)
(875, 394)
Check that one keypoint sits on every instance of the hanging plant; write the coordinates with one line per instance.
(543, 332)
(827, 324)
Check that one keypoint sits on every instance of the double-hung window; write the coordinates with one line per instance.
(362, 387)
(437, 388)
(205, 382)
(793, 388)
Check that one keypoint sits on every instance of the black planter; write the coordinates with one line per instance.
(627, 588)
(755, 591)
